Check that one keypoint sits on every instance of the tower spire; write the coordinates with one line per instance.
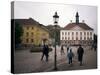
(77, 18)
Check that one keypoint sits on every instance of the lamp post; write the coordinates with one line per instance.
(55, 18)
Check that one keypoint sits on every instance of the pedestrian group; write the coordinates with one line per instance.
(70, 54)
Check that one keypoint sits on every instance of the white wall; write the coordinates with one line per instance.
(66, 31)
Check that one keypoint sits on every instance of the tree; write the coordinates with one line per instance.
(18, 33)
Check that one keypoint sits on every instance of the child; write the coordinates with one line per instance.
(70, 55)
(62, 50)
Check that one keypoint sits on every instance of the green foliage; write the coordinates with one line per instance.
(18, 33)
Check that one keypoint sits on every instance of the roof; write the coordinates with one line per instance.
(81, 25)
(29, 21)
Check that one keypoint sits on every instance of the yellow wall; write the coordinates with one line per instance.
(38, 34)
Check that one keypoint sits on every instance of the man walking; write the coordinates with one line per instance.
(80, 53)
(45, 52)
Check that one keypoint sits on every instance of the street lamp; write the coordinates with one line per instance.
(55, 18)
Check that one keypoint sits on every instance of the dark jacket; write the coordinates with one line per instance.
(80, 53)
(45, 49)
(62, 48)
(70, 55)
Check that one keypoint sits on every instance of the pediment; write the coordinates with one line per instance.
(76, 28)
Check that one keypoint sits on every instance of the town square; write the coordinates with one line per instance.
(59, 38)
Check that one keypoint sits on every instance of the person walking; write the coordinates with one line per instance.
(70, 55)
(67, 49)
(95, 46)
(80, 53)
(62, 50)
(45, 52)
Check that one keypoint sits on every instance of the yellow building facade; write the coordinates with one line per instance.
(33, 32)
(34, 35)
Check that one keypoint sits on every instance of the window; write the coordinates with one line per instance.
(32, 34)
(80, 33)
(27, 34)
(90, 38)
(72, 42)
(76, 38)
(68, 33)
(91, 33)
(27, 28)
(62, 38)
(32, 28)
(84, 38)
(84, 33)
(72, 33)
(27, 40)
(65, 38)
(87, 33)
(87, 38)
(65, 33)
(76, 33)
(32, 40)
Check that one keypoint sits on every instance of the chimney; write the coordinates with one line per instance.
(83, 21)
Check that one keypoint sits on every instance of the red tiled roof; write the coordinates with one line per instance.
(81, 25)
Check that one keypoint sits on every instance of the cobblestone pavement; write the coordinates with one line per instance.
(26, 62)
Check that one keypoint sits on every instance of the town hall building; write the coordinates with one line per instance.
(76, 33)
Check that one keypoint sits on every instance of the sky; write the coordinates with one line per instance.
(43, 13)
